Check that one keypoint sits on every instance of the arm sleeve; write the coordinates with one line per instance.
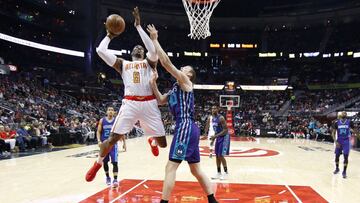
(104, 53)
(148, 44)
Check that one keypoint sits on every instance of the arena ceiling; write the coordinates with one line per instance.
(248, 8)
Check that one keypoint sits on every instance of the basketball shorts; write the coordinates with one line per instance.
(185, 144)
(222, 145)
(147, 112)
(344, 147)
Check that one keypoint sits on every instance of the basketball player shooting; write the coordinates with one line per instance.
(185, 143)
(139, 102)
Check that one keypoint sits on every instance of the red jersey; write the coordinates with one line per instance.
(3, 135)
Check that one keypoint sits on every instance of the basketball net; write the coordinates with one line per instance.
(199, 13)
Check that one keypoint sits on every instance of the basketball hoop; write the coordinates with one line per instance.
(199, 13)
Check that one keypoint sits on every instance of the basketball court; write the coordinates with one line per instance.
(261, 170)
(264, 170)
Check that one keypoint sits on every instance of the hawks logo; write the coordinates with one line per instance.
(242, 152)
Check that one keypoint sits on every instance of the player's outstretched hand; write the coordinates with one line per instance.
(154, 77)
(136, 15)
(111, 35)
(152, 32)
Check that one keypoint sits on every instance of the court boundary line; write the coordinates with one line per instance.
(142, 181)
(129, 190)
(293, 193)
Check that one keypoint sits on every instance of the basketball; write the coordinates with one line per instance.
(115, 24)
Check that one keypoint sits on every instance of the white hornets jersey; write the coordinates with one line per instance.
(136, 76)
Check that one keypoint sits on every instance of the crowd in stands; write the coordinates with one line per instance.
(313, 102)
(41, 115)
(34, 114)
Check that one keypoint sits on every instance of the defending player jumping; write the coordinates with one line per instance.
(185, 144)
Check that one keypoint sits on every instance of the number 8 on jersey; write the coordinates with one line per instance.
(136, 77)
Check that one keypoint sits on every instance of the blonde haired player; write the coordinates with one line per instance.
(185, 143)
(139, 102)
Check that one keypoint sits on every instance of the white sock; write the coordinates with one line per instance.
(100, 160)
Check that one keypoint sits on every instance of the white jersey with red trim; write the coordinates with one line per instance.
(136, 76)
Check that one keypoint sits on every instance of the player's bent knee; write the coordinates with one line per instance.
(161, 141)
(114, 138)
(163, 145)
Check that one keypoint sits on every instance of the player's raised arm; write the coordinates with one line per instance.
(182, 78)
(151, 55)
(103, 51)
(109, 58)
(161, 98)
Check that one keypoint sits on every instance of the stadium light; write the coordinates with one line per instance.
(186, 53)
(264, 87)
(326, 55)
(311, 54)
(41, 46)
(247, 46)
(214, 45)
(13, 68)
(209, 87)
(231, 45)
(356, 55)
(264, 55)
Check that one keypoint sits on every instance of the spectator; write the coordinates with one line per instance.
(4, 147)
(10, 138)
